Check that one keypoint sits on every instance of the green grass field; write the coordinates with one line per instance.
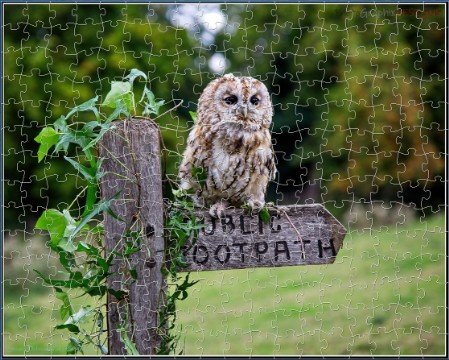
(384, 295)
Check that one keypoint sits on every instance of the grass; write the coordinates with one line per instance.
(384, 295)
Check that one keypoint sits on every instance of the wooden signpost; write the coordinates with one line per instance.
(294, 235)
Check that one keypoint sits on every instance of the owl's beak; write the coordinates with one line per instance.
(243, 110)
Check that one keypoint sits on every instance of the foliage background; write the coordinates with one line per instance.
(358, 93)
(358, 90)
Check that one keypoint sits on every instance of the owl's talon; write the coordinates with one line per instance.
(217, 210)
(255, 205)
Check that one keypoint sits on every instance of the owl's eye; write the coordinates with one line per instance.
(254, 100)
(230, 100)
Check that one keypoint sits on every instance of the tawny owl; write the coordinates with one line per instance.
(231, 141)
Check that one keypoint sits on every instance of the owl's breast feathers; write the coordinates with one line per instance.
(237, 162)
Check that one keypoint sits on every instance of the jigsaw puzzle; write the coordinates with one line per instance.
(311, 187)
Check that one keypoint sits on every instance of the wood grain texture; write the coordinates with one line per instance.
(131, 162)
(242, 241)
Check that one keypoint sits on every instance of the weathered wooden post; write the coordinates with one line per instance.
(293, 235)
(131, 162)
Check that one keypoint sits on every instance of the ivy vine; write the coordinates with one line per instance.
(76, 235)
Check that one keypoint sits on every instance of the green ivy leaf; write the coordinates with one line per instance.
(67, 245)
(121, 91)
(135, 73)
(151, 105)
(118, 294)
(61, 124)
(102, 206)
(103, 349)
(120, 109)
(181, 235)
(72, 323)
(89, 105)
(88, 249)
(193, 115)
(100, 319)
(106, 126)
(63, 243)
(81, 315)
(88, 173)
(180, 261)
(66, 308)
(46, 138)
(129, 345)
(97, 290)
(55, 223)
(71, 137)
(164, 271)
(178, 193)
(100, 172)
(89, 128)
(75, 280)
(67, 260)
(264, 215)
(104, 264)
(74, 346)
(91, 197)
(71, 327)
(129, 250)
(133, 273)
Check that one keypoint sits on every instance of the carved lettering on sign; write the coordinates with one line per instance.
(242, 240)
(261, 248)
(205, 254)
(241, 248)
(206, 230)
(242, 226)
(228, 224)
(220, 258)
(281, 247)
(245, 222)
(278, 226)
(322, 248)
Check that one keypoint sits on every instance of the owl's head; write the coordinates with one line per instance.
(240, 100)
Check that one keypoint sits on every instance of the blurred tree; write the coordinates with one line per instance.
(58, 56)
(358, 90)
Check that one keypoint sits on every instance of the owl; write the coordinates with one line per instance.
(231, 144)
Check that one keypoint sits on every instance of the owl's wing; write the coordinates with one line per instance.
(271, 164)
(192, 159)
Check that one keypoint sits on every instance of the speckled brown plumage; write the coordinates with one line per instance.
(232, 142)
